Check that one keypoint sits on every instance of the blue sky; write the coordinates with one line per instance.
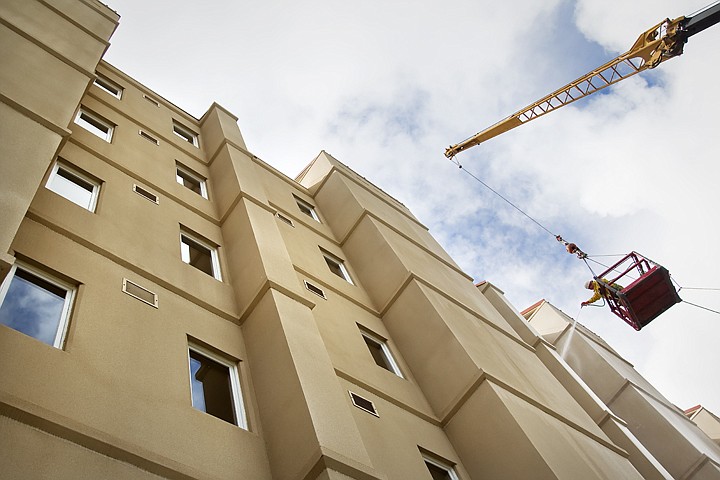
(386, 86)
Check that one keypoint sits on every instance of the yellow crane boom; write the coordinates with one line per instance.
(654, 46)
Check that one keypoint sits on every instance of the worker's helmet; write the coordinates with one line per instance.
(589, 284)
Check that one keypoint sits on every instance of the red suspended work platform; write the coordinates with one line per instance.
(649, 291)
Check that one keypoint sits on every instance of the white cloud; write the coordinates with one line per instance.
(385, 87)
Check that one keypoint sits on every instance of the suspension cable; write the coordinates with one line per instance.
(570, 247)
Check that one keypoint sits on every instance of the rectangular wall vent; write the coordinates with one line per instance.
(363, 403)
(146, 194)
(151, 100)
(316, 290)
(141, 293)
(149, 137)
(285, 219)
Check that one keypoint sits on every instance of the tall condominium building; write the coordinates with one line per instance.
(684, 443)
(174, 307)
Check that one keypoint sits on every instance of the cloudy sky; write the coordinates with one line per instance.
(385, 86)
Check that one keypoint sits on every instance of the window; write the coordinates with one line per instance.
(109, 86)
(77, 187)
(36, 304)
(215, 386)
(185, 133)
(199, 254)
(191, 180)
(307, 209)
(439, 470)
(95, 124)
(336, 266)
(380, 352)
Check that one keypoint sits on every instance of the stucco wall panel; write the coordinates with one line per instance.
(339, 205)
(36, 444)
(308, 411)
(570, 453)
(493, 444)
(137, 231)
(26, 147)
(255, 252)
(673, 439)
(439, 362)
(99, 18)
(65, 38)
(56, 87)
(338, 321)
(509, 361)
(393, 438)
(377, 264)
(108, 379)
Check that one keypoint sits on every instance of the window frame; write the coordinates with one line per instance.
(107, 136)
(392, 364)
(108, 86)
(180, 168)
(70, 289)
(74, 172)
(329, 257)
(186, 134)
(238, 402)
(214, 257)
(311, 208)
(448, 467)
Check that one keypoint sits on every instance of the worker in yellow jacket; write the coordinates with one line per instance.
(610, 288)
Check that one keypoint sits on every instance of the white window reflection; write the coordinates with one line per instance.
(35, 304)
(200, 255)
(73, 185)
(215, 386)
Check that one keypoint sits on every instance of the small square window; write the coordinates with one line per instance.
(109, 86)
(191, 180)
(77, 187)
(215, 386)
(336, 266)
(185, 133)
(36, 304)
(380, 352)
(439, 470)
(307, 209)
(200, 254)
(95, 124)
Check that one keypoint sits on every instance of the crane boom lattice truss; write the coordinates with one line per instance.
(659, 43)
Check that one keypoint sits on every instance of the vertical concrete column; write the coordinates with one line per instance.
(38, 98)
(305, 419)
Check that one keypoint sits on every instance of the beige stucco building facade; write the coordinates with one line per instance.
(174, 307)
(682, 444)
